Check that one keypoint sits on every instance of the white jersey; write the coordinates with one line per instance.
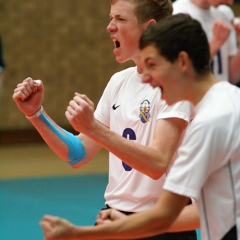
(208, 166)
(131, 109)
(220, 62)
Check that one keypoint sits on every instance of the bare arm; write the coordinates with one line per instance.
(60, 147)
(220, 34)
(235, 68)
(235, 60)
(151, 160)
(187, 220)
(28, 96)
(154, 221)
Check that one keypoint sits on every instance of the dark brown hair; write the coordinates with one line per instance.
(178, 33)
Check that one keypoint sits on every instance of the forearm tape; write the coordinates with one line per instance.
(76, 151)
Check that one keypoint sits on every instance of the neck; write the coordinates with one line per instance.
(199, 88)
(139, 65)
(204, 4)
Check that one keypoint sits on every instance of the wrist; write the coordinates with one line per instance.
(214, 46)
(36, 114)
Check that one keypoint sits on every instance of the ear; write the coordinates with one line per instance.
(151, 21)
(184, 61)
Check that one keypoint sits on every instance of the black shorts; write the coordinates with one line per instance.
(231, 235)
(189, 235)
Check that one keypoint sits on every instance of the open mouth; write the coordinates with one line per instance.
(117, 44)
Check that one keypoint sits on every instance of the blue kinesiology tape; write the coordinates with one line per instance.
(76, 151)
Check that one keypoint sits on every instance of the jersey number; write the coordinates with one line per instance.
(128, 133)
(219, 62)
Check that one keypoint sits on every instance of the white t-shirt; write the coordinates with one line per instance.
(208, 166)
(131, 109)
(220, 62)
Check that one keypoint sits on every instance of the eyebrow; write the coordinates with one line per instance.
(117, 15)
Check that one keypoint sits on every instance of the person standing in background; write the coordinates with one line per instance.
(217, 22)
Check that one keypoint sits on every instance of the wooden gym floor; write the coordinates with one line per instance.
(30, 160)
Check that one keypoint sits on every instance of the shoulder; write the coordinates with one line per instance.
(182, 110)
(225, 9)
(118, 78)
(223, 12)
(181, 6)
(124, 73)
(219, 106)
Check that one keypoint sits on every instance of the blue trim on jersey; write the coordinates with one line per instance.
(76, 151)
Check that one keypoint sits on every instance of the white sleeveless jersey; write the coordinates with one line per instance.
(208, 166)
(131, 109)
(220, 62)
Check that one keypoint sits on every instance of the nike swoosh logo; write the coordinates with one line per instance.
(114, 107)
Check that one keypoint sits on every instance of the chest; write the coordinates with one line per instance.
(135, 103)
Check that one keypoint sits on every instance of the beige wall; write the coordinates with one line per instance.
(62, 42)
(236, 9)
